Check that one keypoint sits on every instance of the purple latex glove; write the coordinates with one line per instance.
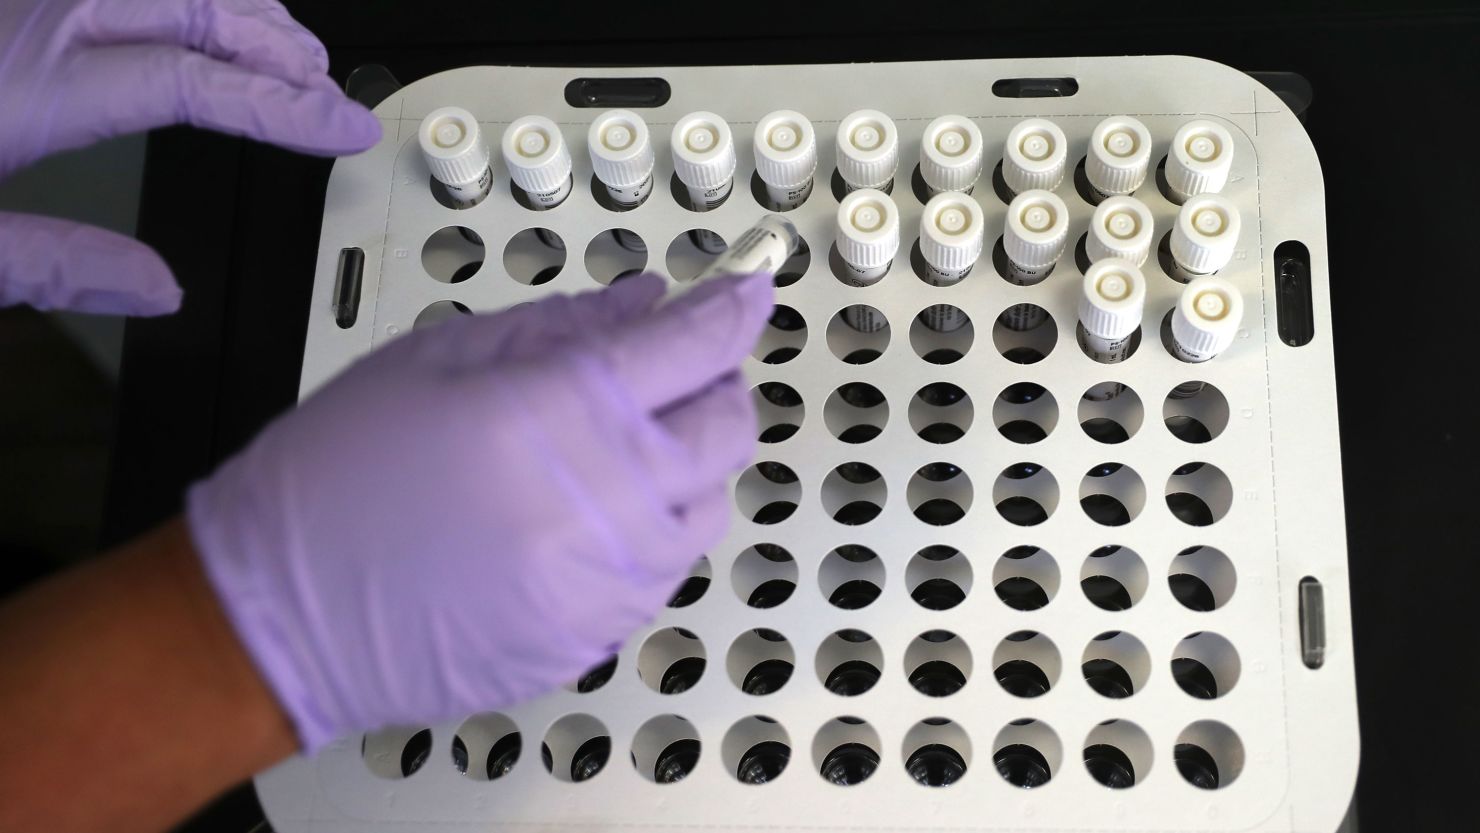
(479, 512)
(76, 71)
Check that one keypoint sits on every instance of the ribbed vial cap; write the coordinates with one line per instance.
(1120, 227)
(785, 149)
(621, 151)
(1037, 228)
(868, 229)
(1207, 316)
(952, 229)
(1112, 298)
(868, 149)
(1205, 234)
(1035, 156)
(1119, 155)
(703, 150)
(536, 154)
(452, 145)
(951, 154)
(1199, 159)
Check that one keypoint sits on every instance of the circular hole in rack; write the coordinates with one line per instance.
(437, 312)
(1027, 753)
(695, 586)
(760, 661)
(576, 748)
(1110, 413)
(846, 751)
(1025, 412)
(534, 256)
(1195, 412)
(454, 254)
(671, 660)
(1202, 578)
(939, 493)
(595, 677)
(1026, 578)
(851, 577)
(784, 337)
(940, 413)
(795, 265)
(1209, 755)
(691, 251)
(1026, 664)
(938, 577)
(768, 492)
(615, 253)
(1199, 494)
(756, 750)
(486, 747)
(858, 334)
(396, 752)
(849, 662)
(666, 749)
(1115, 664)
(942, 346)
(764, 576)
(856, 412)
(937, 663)
(854, 493)
(1117, 754)
(1112, 494)
(1026, 494)
(936, 752)
(1113, 578)
(1205, 665)
(1025, 333)
(779, 411)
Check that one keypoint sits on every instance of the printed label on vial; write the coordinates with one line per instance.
(943, 318)
(864, 319)
(1104, 391)
(944, 277)
(752, 239)
(707, 241)
(631, 197)
(708, 199)
(856, 276)
(1103, 350)
(629, 240)
(472, 193)
(785, 199)
(1023, 317)
(1023, 276)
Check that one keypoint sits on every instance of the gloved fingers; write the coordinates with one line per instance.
(144, 87)
(247, 33)
(705, 439)
(705, 521)
(688, 343)
(54, 264)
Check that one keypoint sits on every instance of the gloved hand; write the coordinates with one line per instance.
(479, 512)
(76, 71)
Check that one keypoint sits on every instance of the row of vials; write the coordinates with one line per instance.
(1035, 156)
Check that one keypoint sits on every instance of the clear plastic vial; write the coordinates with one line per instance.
(1119, 155)
(1204, 237)
(1205, 321)
(868, 237)
(785, 158)
(1033, 240)
(455, 151)
(1034, 156)
(762, 248)
(538, 160)
(1112, 298)
(1199, 159)
(868, 151)
(950, 155)
(952, 229)
(704, 161)
(1120, 227)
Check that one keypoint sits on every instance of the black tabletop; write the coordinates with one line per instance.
(1391, 119)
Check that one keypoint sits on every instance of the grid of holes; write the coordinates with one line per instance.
(1025, 663)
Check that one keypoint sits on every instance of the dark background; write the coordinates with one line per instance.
(1392, 119)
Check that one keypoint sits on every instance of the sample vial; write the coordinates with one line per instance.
(1111, 300)
(538, 160)
(868, 237)
(951, 232)
(785, 158)
(704, 161)
(951, 155)
(762, 248)
(1204, 236)
(1121, 227)
(1119, 154)
(453, 146)
(1036, 231)
(622, 157)
(868, 151)
(1199, 160)
(1205, 320)
(1034, 156)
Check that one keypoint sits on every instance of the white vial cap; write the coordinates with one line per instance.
(868, 149)
(621, 152)
(1037, 227)
(1119, 154)
(951, 231)
(1035, 155)
(1207, 316)
(1113, 296)
(868, 229)
(703, 151)
(1200, 158)
(951, 154)
(1120, 227)
(785, 149)
(536, 154)
(452, 143)
(1205, 234)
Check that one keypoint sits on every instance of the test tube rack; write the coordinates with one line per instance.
(1282, 730)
